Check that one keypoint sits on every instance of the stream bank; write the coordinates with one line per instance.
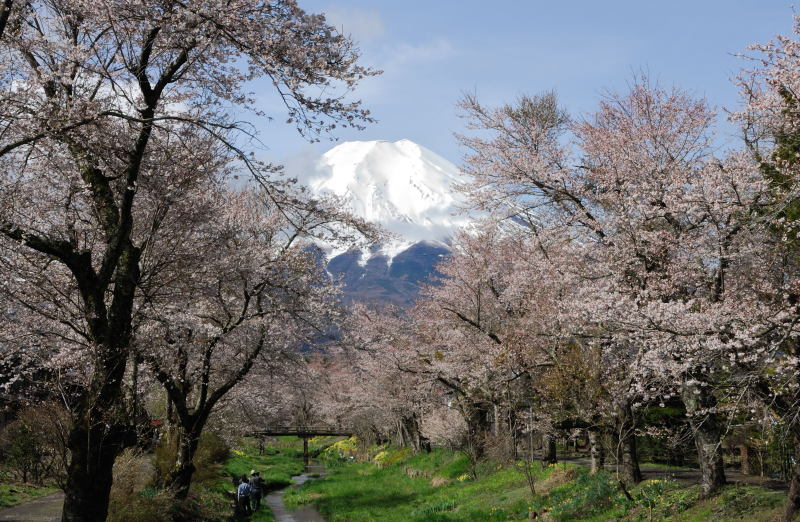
(304, 513)
(392, 485)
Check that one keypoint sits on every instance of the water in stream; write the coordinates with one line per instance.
(304, 514)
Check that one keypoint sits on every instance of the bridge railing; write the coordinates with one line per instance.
(304, 430)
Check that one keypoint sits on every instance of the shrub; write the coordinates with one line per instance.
(739, 500)
(342, 449)
(211, 450)
(133, 495)
(34, 446)
(133, 473)
(585, 496)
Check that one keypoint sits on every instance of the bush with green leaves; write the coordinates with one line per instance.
(33, 447)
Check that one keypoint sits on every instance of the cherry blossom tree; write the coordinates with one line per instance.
(381, 377)
(660, 224)
(243, 281)
(769, 119)
(89, 93)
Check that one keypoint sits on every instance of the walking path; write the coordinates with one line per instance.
(48, 508)
(43, 509)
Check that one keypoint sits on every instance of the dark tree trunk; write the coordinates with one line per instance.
(412, 435)
(549, 450)
(89, 477)
(181, 476)
(95, 440)
(792, 506)
(477, 415)
(707, 430)
(597, 451)
(628, 456)
(425, 444)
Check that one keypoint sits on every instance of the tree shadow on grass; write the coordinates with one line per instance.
(388, 500)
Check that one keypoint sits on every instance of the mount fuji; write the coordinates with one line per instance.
(409, 191)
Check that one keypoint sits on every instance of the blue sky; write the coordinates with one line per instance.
(432, 51)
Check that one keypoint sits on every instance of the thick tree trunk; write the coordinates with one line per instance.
(597, 452)
(707, 431)
(412, 434)
(791, 508)
(628, 456)
(403, 439)
(95, 440)
(89, 475)
(549, 450)
(181, 476)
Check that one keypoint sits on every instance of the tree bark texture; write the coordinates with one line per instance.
(707, 430)
(597, 452)
(628, 456)
(181, 475)
(95, 440)
(549, 450)
(411, 434)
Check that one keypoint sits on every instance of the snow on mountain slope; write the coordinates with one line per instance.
(402, 186)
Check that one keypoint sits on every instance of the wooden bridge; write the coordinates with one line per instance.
(304, 432)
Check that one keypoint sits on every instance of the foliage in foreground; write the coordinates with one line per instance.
(137, 496)
(438, 487)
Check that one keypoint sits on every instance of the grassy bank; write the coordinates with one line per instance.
(281, 460)
(396, 486)
(137, 497)
(13, 493)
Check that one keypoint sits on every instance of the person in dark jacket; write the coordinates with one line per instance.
(243, 496)
(256, 489)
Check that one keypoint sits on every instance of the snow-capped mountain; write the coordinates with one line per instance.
(408, 190)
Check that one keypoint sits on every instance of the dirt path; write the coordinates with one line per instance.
(48, 508)
(44, 509)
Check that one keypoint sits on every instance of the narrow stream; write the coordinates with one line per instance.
(304, 514)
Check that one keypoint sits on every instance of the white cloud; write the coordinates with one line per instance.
(433, 51)
(304, 164)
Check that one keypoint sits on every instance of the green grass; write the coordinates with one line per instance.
(280, 462)
(404, 491)
(437, 487)
(12, 494)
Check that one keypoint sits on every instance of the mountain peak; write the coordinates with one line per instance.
(399, 185)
